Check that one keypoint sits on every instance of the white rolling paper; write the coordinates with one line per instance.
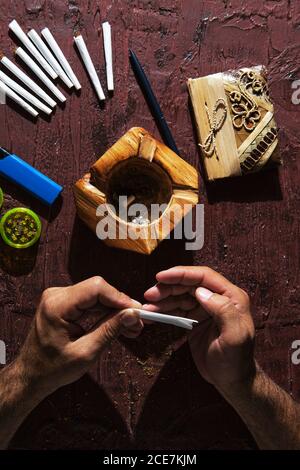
(46, 33)
(39, 43)
(108, 55)
(79, 41)
(39, 73)
(24, 93)
(11, 94)
(18, 31)
(27, 81)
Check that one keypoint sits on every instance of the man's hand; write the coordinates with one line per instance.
(222, 343)
(57, 351)
(222, 347)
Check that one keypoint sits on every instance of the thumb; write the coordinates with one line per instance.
(220, 307)
(108, 331)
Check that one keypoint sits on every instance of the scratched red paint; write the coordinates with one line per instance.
(147, 393)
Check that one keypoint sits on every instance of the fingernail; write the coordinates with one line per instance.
(204, 293)
(129, 319)
(136, 303)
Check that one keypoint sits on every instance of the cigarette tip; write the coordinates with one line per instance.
(45, 31)
(12, 23)
(77, 33)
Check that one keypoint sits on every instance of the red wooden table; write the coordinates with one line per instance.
(147, 393)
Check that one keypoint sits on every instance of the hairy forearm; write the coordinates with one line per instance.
(269, 412)
(17, 399)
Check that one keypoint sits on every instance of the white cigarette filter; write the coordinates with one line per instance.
(39, 73)
(39, 43)
(89, 66)
(182, 322)
(24, 93)
(27, 81)
(46, 33)
(16, 28)
(108, 55)
(11, 94)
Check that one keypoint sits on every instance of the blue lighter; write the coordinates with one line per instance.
(18, 171)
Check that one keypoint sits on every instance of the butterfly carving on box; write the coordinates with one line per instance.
(252, 110)
(247, 139)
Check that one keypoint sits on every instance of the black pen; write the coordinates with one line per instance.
(152, 102)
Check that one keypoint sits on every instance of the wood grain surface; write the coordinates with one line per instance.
(147, 393)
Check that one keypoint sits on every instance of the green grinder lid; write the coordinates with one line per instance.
(20, 228)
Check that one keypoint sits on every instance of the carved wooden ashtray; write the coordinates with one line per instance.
(143, 174)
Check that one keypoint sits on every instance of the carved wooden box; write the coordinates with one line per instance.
(146, 172)
(235, 122)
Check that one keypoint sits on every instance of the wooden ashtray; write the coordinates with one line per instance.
(146, 172)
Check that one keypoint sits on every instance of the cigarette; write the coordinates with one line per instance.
(16, 28)
(168, 319)
(11, 94)
(39, 73)
(27, 81)
(24, 93)
(89, 66)
(108, 55)
(39, 43)
(46, 33)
